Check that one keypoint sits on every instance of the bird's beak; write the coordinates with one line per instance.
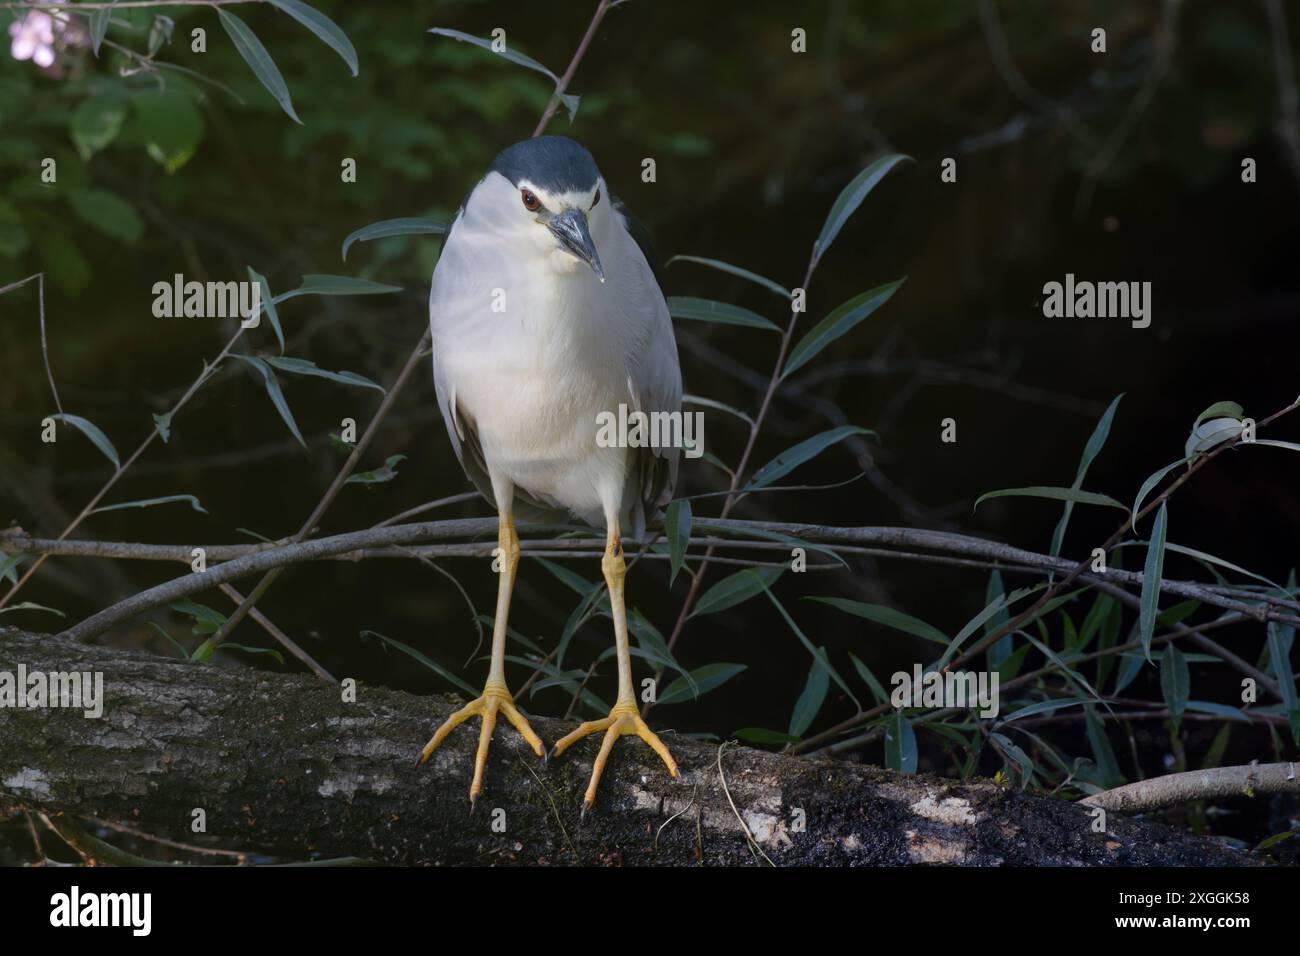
(570, 228)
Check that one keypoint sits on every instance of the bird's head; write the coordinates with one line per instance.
(548, 198)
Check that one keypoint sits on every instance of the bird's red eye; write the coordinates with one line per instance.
(531, 202)
(595, 200)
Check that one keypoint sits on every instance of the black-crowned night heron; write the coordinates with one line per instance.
(546, 313)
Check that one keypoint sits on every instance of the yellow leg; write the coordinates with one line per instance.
(624, 719)
(496, 696)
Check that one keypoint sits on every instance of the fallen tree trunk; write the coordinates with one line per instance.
(281, 764)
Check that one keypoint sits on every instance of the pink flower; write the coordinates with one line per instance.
(35, 36)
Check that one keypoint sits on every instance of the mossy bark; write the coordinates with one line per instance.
(281, 764)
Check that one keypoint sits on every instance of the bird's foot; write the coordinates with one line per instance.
(624, 720)
(496, 698)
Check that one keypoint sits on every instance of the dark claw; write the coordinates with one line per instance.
(472, 802)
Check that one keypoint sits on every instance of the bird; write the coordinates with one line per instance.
(546, 314)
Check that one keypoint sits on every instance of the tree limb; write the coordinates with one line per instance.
(1216, 783)
(280, 764)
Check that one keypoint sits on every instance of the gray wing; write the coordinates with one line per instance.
(655, 380)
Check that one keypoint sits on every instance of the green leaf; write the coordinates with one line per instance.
(1289, 445)
(1102, 753)
(1219, 410)
(760, 735)
(244, 648)
(1219, 710)
(258, 60)
(705, 679)
(507, 53)
(408, 226)
(412, 653)
(727, 267)
(9, 566)
(1044, 706)
(99, 20)
(900, 744)
(112, 215)
(793, 457)
(1058, 494)
(1280, 664)
(96, 122)
(995, 607)
(851, 197)
(338, 285)
(810, 647)
(1095, 443)
(1175, 682)
(1150, 600)
(1151, 482)
(571, 579)
(206, 620)
(706, 310)
(877, 690)
(29, 606)
(888, 617)
(170, 125)
(91, 431)
(1210, 433)
(298, 366)
(1018, 756)
(735, 589)
(379, 475)
(810, 701)
(150, 502)
(677, 525)
(164, 425)
(323, 27)
(844, 318)
(273, 390)
(268, 305)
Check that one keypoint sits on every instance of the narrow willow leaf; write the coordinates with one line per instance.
(258, 60)
(727, 267)
(1151, 482)
(793, 457)
(1219, 710)
(1058, 494)
(244, 648)
(506, 53)
(339, 285)
(1219, 410)
(298, 366)
(850, 198)
(593, 594)
(1289, 445)
(1175, 682)
(1280, 663)
(323, 27)
(1021, 759)
(273, 390)
(412, 653)
(91, 431)
(30, 606)
(9, 566)
(408, 226)
(1211, 559)
(703, 525)
(677, 525)
(268, 305)
(1210, 433)
(1043, 707)
(841, 320)
(378, 475)
(811, 648)
(705, 679)
(1090, 452)
(150, 502)
(900, 744)
(735, 589)
(991, 610)
(888, 617)
(706, 310)
(810, 701)
(569, 578)
(1151, 574)
(720, 406)
(1102, 753)
(99, 20)
(877, 690)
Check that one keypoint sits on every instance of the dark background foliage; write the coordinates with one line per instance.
(752, 144)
